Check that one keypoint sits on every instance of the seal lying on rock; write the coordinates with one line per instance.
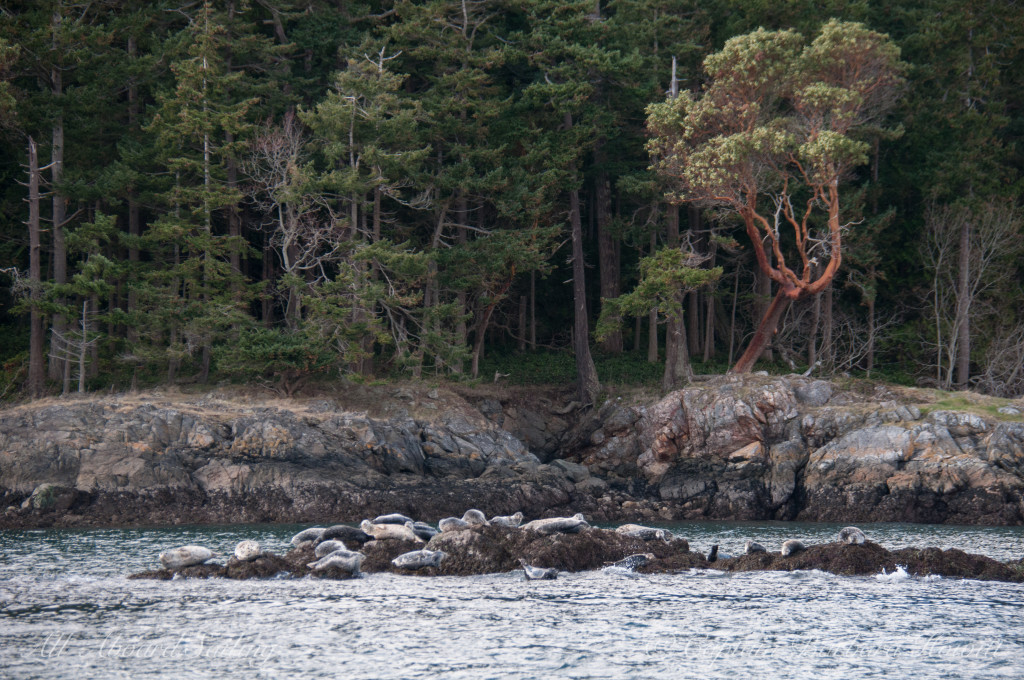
(753, 547)
(452, 524)
(384, 531)
(557, 525)
(342, 561)
(185, 556)
(644, 533)
(393, 518)
(633, 561)
(311, 534)
(246, 551)
(418, 559)
(792, 547)
(343, 532)
(325, 548)
(538, 573)
(423, 530)
(475, 518)
(508, 520)
(851, 536)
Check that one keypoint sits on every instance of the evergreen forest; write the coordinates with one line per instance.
(280, 191)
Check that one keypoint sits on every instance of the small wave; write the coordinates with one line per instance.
(892, 577)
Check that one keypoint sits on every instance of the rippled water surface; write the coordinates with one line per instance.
(67, 610)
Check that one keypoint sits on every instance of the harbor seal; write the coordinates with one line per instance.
(557, 525)
(343, 532)
(247, 551)
(393, 518)
(423, 530)
(644, 533)
(634, 561)
(792, 547)
(475, 518)
(385, 531)
(452, 524)
(185, 556)
(851, 536)
(715, 554)
(419, 559)
(342, 561)
(752, 547)
(508, 520)
(311, 534)
(325, 548)
(538, 573)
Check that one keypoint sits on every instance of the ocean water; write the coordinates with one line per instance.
(68, 611)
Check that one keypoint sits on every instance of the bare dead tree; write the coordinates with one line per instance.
(964, 272)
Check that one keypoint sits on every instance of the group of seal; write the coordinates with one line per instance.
(332, 546)
(848, 536)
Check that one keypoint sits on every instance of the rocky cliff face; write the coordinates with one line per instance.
(732, 448)
(791, 448)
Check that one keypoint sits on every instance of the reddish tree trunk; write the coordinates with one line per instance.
(763, 334)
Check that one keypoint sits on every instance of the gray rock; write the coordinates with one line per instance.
(573, 471)
(815, 394)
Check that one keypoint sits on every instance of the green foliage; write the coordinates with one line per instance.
(275, 354)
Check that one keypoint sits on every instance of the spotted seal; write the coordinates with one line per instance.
(557, 525)
(247, 551)
(185, 556)
(644, 533)
(792, 547)
(475, 518)
(346, 561)
(419, 559)
(423, 530)
(386, 531)
(311, 534)
(538, 573)
(343, 532)
(851, 536)
(452, 524)
(393, 518)
(327, 547)
(634, 561)
(508, 520)
(752, 547)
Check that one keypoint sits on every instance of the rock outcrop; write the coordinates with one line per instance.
(497, 549)
(750, 447)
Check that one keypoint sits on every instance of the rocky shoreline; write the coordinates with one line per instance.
(478, 550)
(747, 448)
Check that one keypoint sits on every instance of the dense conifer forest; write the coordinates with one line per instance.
(285, 190)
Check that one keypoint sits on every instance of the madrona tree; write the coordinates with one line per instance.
(777, 129)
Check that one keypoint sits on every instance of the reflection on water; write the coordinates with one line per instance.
(66, 610)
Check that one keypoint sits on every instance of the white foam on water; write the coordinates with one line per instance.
(893, 577)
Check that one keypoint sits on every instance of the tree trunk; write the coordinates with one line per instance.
(812, 337)
(134, 225)
(608, 250)
(732, 315)
(59, 213)
(827, 353)
(652, 317)
(763, 291)
(693, 297)
(36, 342)
(234, 219)
(763, 334)
(709, 312)
(871, 337)
(963, 308)
(678, 371)
(521, 345)
(533, 310)
(586, 373)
